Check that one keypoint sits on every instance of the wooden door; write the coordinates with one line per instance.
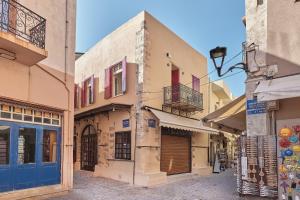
(89, 149)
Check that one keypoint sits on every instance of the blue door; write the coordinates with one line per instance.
(32, 157)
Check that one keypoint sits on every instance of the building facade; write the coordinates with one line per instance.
(138, 101)
(37, 44)
(272, 86)
(219, 96)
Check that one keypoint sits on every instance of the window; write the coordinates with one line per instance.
(260, 2)
(38, 116)
(5, 111)
(26, 145)
(117, 79)
(49, 146)
(4, 145)
(87, 92)
(47, 118)
(123, 145)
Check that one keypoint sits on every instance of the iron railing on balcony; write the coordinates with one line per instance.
(182, 97)
(22, 22)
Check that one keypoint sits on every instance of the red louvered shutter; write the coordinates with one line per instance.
(196, 83)
(108, 83)
(75, 96)
(82, 95)
(85, 92)
(92, 82)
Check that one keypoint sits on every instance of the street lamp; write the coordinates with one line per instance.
(220, 53)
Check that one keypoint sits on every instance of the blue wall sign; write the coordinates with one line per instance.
(254, 107)
(126, 123)
(152, 123)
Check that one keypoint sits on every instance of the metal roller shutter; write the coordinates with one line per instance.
(175, 154)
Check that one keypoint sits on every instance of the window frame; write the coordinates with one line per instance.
(122, 148)
(45, 130)
(8, 145)
(35, 146)
(117, 73)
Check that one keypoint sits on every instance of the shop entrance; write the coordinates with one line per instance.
(175, 151)
(29, 155)
(89, 148)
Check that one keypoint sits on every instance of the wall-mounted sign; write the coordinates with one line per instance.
(254, 107)
(152, 123)
(126, 123)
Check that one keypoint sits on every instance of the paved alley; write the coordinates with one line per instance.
(217, 187)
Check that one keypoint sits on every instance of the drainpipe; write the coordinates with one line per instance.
(64, 83)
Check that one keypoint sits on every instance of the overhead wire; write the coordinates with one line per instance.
(228, 61)
(200, 85)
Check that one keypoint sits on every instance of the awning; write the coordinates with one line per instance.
(231, 117)
(279, 88)
(174, 121)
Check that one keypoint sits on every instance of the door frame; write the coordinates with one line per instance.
(189, 135)
(41, 178)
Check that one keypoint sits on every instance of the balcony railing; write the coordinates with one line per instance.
(22, 22)
(183, 98)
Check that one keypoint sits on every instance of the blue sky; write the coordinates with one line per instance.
(203, 24)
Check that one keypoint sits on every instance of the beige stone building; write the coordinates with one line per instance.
(138, 105)
(37, 43)
(219, 96)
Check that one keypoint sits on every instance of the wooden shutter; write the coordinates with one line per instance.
(76, 96)
(92, 82)
(82, 95)
(124, 74)
(175, 85)
(108, 83)
(196, 83)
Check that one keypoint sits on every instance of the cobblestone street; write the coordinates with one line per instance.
(215, 187)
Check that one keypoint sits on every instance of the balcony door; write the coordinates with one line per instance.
(175, 84)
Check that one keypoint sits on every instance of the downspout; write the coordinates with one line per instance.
(68, 145)
(136, 125)
(63, 82)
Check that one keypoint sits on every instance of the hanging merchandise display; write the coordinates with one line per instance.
(289, 160)
(259, 160)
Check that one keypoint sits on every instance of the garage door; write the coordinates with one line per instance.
(175, 154)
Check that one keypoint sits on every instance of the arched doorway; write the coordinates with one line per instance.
(88, 148)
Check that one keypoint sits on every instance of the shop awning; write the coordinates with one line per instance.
(174, 121)
(231, 117)
(279, 88)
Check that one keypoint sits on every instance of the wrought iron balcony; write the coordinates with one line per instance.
(22, 22)
(183, 98)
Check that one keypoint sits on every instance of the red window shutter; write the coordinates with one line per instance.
(92, 82)
(75, 96)
(82, 95)
(124, 74)
(196, 83)
(175, 85)
(108, 83)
